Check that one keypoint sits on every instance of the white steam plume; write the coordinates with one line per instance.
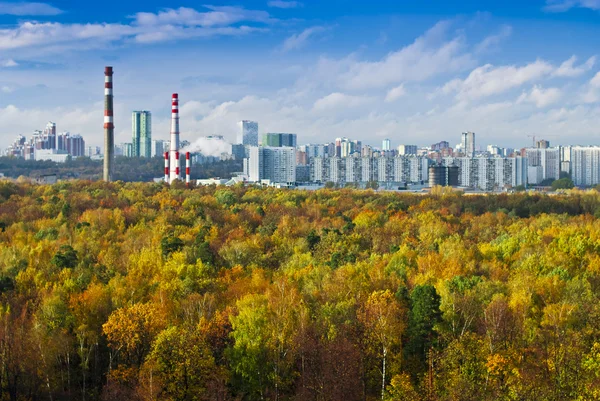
(209, 146)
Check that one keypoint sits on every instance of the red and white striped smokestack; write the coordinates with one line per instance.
(174, 173)
(109, 127)
(187, 168)
(167, 167)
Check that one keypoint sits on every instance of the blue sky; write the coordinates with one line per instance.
(412, 71)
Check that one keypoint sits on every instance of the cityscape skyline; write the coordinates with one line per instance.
(411, 76)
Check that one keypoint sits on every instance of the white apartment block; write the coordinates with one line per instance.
(548, 159)
(276, 164)
(357, 169)
(489, 173)
(585, 165)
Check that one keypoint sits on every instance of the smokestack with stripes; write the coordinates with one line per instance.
(109, 127)
(174, 152)
(187, 168)
(167, 167)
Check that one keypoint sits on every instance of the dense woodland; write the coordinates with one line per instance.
(128, 169)
(143, 292)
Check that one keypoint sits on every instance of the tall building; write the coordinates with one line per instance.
(249, 133)
(405, 150)
(73, 144)
(276, 164)
(546, 158)
(468, 143)
(158, 148)
(542, 144)
(386, 144)
(585, 165)
(141, 137)
(279, 140)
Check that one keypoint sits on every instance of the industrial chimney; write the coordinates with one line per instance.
(174, 152)
(109, 127)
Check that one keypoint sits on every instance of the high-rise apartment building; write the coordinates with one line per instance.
(406, 150)
(73, 144)
(542, 144)
(249, 133)
(386, 144)
(546, 158)
(159, 147)
(279, 140)
(276, 164)
(585, 165)
(468, 143)
(489, 173)
(141, 138)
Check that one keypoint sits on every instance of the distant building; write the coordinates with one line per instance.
(357, 169)
(279, 140)
(489, 173)
(406, 150)
(249, 133)
(158, 148)
(468, 143)
(542, 144)
(436, 147)
(238, 151)
(547, 158)
(275, 164)
(386, 144)
(141, 138)
(585, 165)
(73, 144)
(57, 156)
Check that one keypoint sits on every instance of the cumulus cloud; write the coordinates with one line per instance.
(284, 4)
(338, 100)
(489, 80)
(540, 97)
(28, 9)
(567, 68)
(395, 93)
(299, 40)
(8, 63)
(559, 6)
(166, 25)
(494, 40)
(428, 56)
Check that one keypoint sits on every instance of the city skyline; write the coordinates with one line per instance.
(413, 76)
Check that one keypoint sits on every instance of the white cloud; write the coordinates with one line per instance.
(28, 9)
(216, 16)
(489, 80)
(567, 68)
(284, 4)
(494, 40)
(428, 56)
(166, 25)
(540, 97)
(595, 82)
(6, 89)
(395, 93)
(8, 63)
(299, 40)
(559, 6)
(339, 100)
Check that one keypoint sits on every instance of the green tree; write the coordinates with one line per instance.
(563, 183)
(423, 317)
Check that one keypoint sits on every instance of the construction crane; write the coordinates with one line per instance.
(533, 137)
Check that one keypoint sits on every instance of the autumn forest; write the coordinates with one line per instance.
(135, 291)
